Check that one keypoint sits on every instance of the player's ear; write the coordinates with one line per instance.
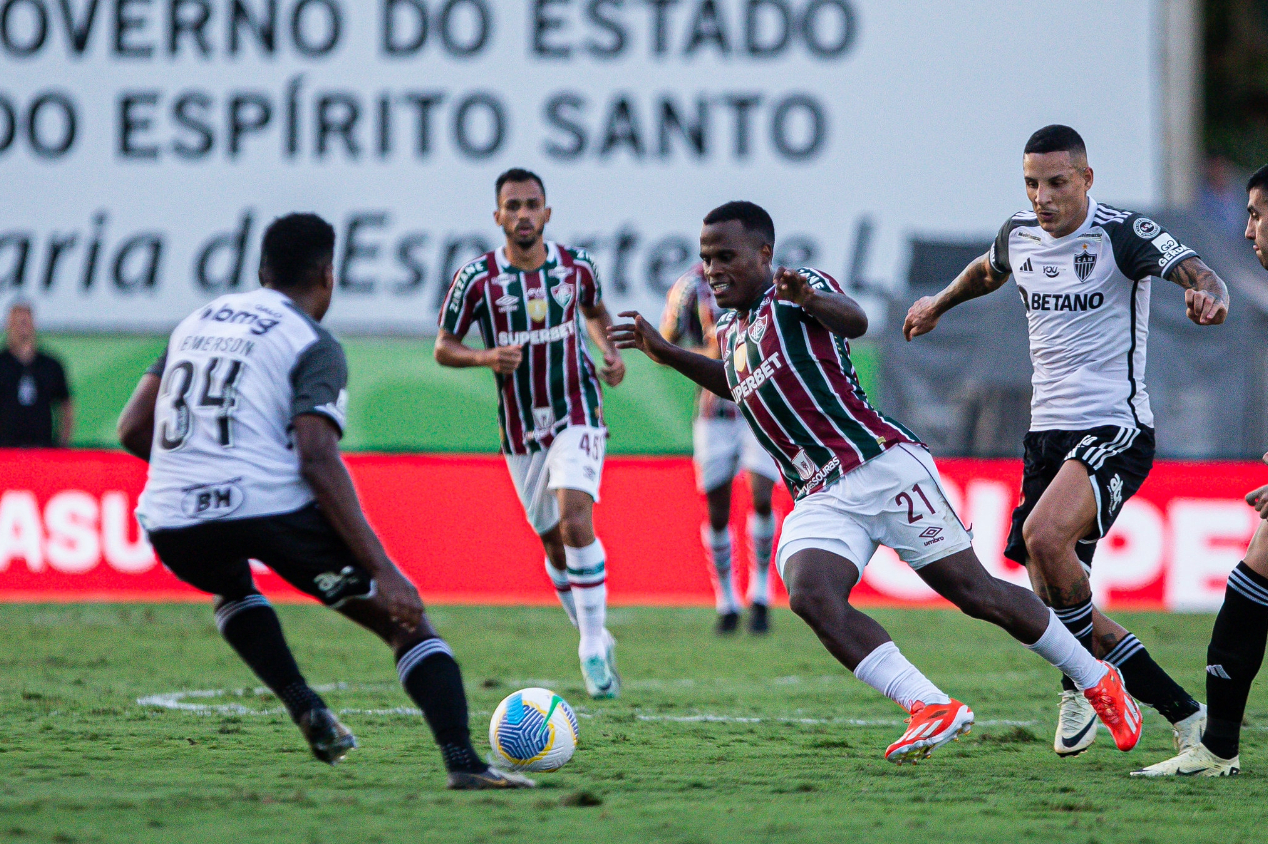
(546, 215)
(1087, 174)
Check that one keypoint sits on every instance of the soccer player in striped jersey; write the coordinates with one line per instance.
(528, 299)
(722, 445)
(1083, 270)
(858, 479)
(1238, 641)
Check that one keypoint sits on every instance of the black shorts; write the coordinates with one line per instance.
(302, 547)
(1117, 460)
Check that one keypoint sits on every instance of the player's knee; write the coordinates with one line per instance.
(1044, 541)
(811, 602)
(576, 530)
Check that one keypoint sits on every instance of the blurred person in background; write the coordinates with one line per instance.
(35, 401)
(1221, 200)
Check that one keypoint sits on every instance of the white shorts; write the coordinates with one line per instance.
(722, 447)
(574, 460)
(894, 499)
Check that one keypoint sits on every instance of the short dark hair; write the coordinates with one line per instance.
(753, 217)
(296, 249)
(1056, 138)
(1258, 179)
(517, 174)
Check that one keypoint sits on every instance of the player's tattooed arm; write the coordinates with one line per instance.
(598, 321)
(835, 311)
(317, 442)
(136, 423)
(451, 351)
(978, 279)
(1205, 293)
(643, 336)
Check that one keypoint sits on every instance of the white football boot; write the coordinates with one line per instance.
(1076, 725)
(601, 682)
(1195, 762)
(1187, 734)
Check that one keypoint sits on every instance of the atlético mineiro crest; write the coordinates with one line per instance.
(758, 329)
(804, 465)
(1084, 263)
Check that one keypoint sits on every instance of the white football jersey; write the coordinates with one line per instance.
(235, 373)
(1087, 305)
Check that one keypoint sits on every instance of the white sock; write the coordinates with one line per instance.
(761, 535)
(1058, 646)
(563, 590)
(718, 545)
(889, 672)
(590, 595)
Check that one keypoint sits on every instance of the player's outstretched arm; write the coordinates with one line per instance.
(317, 441)
(643, 336)
(978, 279)
(1205, 294)
(835, 311)
(136, 423)
(450, 351)
(598, 321)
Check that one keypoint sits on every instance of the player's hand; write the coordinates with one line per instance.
(504, 359)
(399, 597)
(1258, 498)
(639, 334)
(922, 317)
(613, 370)
(1203, 308)
(792, 287)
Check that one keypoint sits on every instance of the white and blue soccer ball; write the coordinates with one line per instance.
(533, 730)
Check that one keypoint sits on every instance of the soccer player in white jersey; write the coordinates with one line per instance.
(240, 421)
(1083, 270)
(529, 298)
(723, 445)
(1236, 651)
(859, 479)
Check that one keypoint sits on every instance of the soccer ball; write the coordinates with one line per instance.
(533, 730)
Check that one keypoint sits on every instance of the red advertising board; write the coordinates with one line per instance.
(454, 525)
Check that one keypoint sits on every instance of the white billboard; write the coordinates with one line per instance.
(144, 144)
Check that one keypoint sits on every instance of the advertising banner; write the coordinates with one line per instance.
(145, 144)
(455, 527)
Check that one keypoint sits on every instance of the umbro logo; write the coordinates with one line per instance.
(930, 532)
(1026, 267)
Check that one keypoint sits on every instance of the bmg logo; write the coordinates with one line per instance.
(212, 501)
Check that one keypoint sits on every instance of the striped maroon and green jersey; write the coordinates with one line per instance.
(796, 386)
(555, 385)
(691, 319)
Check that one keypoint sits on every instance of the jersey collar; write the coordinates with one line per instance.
(504, 263)
(1082, 229)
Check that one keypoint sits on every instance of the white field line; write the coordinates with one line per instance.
(191, 701)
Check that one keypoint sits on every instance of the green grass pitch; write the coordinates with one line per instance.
(713, 741)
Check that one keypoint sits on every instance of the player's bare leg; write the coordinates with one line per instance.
(557, 570)
(761, 537)
(720, 546)
(1065, 513)
(431, 678)
(819, 584)
(585, 561)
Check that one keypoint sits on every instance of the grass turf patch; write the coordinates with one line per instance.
(713, 740)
